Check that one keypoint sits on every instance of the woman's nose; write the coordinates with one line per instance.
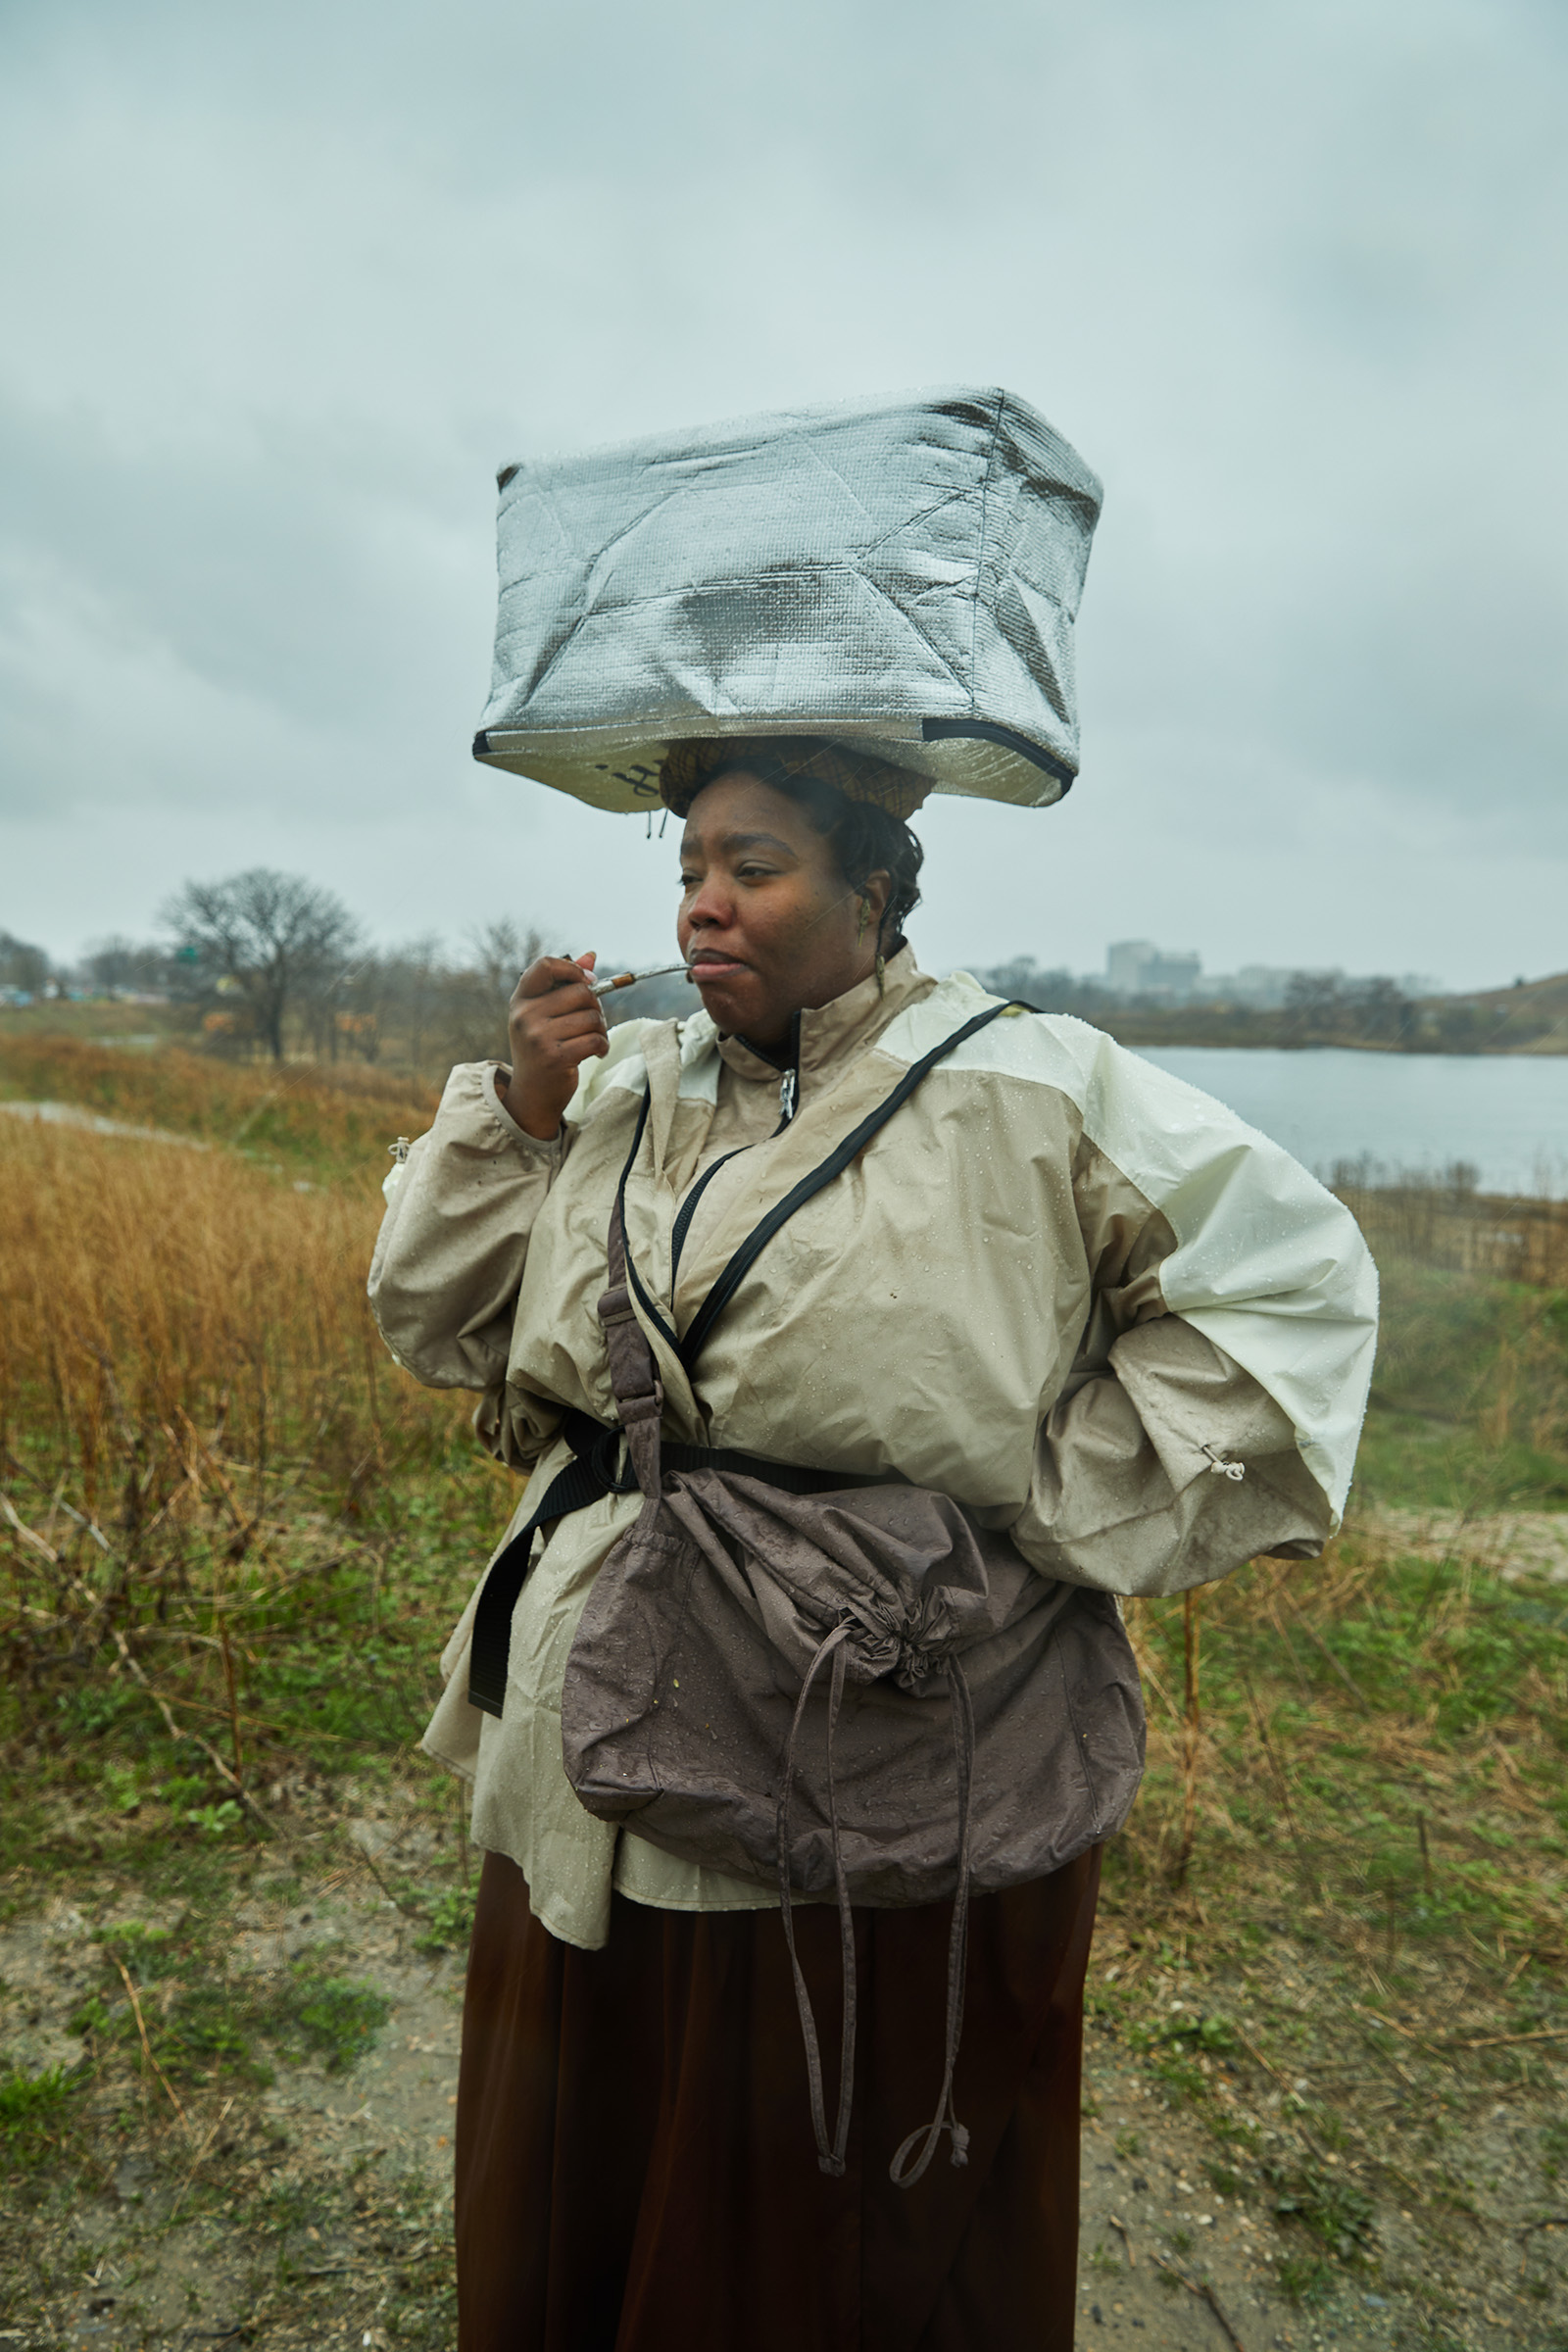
(712, 908)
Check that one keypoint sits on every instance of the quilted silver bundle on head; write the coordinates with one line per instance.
(898, 577)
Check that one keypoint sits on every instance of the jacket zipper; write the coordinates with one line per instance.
(789, 1086)
(688, 1208)
(789, 1096)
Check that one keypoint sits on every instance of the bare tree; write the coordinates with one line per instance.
(417, 976)
(275, 938)
(119, 966)
(24, 969)
(1382, 1009)
(502, 954)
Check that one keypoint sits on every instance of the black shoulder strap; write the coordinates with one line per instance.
(757, 1241)
(649, 1309)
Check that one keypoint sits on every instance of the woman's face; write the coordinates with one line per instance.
(767, 922)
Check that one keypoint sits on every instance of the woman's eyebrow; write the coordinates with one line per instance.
(755, 840)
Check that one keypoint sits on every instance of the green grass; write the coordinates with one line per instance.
(1367, 1945)
(29, 2105)
(1469, 1407)
(333, 1628)
(1334, 2211)
(203, 2021)
(337, 2020)
(1306, 2279)
(1384, 1735)
(449, 1919)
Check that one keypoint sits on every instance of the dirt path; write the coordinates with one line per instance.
(299, 2214)
(1427, 2282)
(1513, 1544)
(312, 2213)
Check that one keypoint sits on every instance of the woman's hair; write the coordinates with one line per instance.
(863, 838)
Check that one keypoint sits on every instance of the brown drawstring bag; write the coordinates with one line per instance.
(856, 1693)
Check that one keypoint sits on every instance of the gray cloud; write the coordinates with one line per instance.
(285, 286)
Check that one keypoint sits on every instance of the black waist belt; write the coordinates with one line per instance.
(601, 1469)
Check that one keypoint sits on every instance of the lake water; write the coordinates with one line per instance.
(1506, 1114)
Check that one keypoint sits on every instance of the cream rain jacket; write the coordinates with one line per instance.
(1069, 1291)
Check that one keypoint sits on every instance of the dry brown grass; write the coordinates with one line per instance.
(170, 1317)
(302, 1114)
(1437, 1225)
(191, 1385)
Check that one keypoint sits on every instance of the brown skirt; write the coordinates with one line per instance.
(635, 2165)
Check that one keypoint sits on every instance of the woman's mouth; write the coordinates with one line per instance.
(709, 967)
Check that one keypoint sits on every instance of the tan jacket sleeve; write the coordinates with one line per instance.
(450, 1254)
(1163, 1464)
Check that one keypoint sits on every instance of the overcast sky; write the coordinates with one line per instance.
(285, 284)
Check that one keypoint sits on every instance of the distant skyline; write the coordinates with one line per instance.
(1116, 968)
(286, 285)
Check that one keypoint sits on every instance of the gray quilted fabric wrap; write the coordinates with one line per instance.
(898, 576)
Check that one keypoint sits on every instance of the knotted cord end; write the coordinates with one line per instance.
(961, 2144)
(833, 2166)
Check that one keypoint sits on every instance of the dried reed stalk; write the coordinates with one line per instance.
(1192, 1735)
(146, 2046)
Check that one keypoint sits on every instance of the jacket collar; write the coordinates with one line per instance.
(832, 1034)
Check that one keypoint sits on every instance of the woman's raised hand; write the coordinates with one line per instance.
(555, 1023)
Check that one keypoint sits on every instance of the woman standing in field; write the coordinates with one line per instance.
(1076, 1298)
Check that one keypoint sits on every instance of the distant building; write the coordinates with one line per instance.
(1125, 961)
(1136, 967)
(1171, 975)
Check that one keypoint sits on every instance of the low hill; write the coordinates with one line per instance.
(1531, 1017)
(299, 1117)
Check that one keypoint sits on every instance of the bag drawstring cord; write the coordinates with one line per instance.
(945, 2119)
(830, 2157)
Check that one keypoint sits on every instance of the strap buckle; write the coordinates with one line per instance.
(650, 1406)
(615, 1306)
